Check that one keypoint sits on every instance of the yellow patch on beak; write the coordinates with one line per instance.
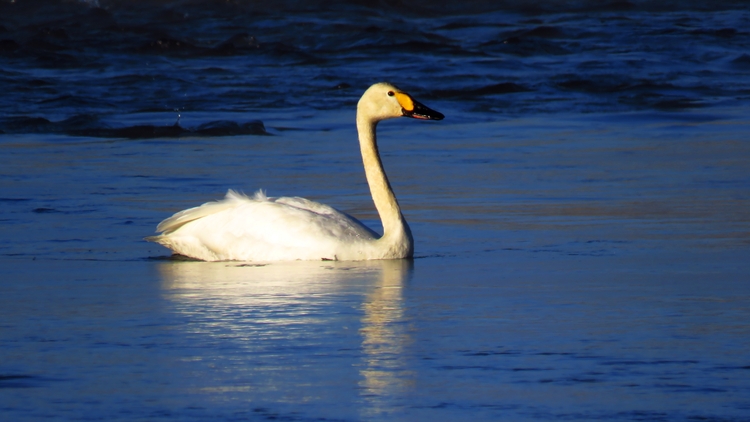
(406, 102)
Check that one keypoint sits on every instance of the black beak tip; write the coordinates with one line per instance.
(423, 113)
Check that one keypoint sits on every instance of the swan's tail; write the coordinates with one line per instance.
(183, 217)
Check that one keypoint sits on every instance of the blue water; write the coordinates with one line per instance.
(580, 216)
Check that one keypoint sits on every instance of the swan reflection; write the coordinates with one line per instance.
(385, 373)
(300, 312)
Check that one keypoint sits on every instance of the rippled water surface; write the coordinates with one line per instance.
(581, 215)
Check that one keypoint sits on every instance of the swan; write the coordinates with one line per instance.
(261, 228)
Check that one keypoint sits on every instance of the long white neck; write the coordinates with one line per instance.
(396, 233)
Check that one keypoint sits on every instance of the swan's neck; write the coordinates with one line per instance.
(395, 230)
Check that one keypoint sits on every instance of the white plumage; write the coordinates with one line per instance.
(292, 228)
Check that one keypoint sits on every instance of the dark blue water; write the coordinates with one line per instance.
(580, 216)
(79, 69)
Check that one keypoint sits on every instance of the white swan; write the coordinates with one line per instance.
(283, 229)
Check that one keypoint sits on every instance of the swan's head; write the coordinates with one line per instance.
(384, 101)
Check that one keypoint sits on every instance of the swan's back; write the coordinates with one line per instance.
(265, 229)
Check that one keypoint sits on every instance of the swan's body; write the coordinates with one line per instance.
(282, 229)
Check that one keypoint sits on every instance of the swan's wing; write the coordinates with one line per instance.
(183, 217)
(293, 212)
(262, 228)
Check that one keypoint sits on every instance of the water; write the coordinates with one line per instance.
(580, 216)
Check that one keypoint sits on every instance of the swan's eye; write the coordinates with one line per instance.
(391, 94)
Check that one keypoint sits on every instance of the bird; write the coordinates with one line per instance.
(268, 229)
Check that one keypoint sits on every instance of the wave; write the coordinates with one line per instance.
(92, 126)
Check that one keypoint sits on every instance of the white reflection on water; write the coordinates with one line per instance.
(385, 373)
(287, 328)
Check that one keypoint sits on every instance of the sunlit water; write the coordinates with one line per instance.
(582, 246)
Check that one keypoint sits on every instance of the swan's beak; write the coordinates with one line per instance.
(415, 109)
